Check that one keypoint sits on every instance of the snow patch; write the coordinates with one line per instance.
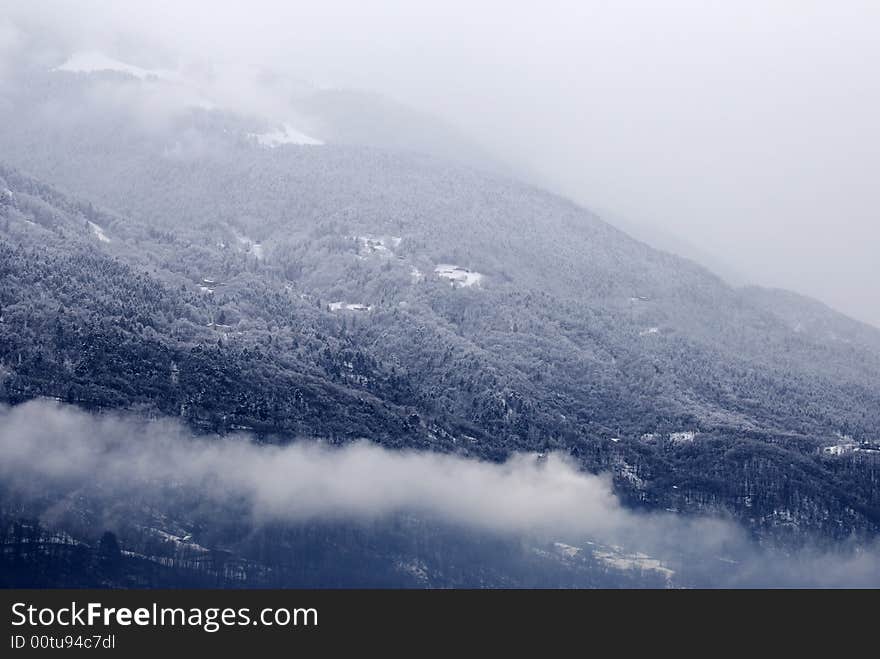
(99, 232)
(649, 330)
(343, 306)
(842, 448)
(179, 541)
(628, 472)
(250, 246)
(846, 444)
(287, 134)
(377, 246)
(568, 551)
(415, 568)
(459, 276)
(95, 62)
(619, 560)
(684, 437)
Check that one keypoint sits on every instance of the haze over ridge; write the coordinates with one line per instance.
(655, 113)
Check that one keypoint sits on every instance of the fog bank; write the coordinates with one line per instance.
(49, 447)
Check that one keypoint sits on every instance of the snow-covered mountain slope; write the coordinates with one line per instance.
(576, 336)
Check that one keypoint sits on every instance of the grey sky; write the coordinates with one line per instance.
(747, 128)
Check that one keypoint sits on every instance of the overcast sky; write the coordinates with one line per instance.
(748, 128)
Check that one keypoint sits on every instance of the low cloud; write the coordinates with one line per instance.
(48, 447)
(46, 443)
